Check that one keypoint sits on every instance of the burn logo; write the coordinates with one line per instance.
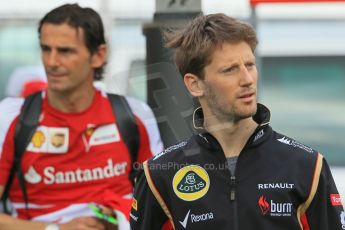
(274, 208)
(264, 205)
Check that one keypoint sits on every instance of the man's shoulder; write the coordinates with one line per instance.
(170, 154)
(289, 143)
(139, 108)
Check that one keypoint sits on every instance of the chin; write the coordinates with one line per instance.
(57, 89)
(247, 112)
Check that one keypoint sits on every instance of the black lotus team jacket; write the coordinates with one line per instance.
(279, 184)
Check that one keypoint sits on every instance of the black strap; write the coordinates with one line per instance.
(25, 129)
(128, 128)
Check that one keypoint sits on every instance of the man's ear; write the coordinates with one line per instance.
(194, 84)
(99, 57)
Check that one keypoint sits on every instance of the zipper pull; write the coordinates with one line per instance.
(232, 191)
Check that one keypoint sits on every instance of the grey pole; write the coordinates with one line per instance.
(167, 95)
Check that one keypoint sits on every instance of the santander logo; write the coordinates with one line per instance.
(53, 176)
(32, 176)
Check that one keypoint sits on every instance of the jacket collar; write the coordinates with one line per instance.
(262, 132)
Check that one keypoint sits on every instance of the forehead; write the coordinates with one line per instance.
(229, 52)
(61, 34)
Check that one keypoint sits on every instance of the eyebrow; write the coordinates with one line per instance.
(59, 48)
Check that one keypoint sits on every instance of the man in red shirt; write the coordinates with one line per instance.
(77, 155)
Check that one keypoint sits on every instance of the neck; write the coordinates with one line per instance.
(232, 136)
(73, 102)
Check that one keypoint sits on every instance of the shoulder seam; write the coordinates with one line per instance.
(155, 192)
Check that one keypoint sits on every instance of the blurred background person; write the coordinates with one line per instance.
(26, 80)
(78, 145)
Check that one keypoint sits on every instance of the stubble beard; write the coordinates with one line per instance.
(225, 112)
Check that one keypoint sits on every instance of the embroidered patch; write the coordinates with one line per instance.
(105, 134)
(336, 200)
(38, 139)
(58, 140)
(49, 140)
(191, 183)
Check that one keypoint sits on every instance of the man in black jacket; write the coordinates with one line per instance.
(236, 173)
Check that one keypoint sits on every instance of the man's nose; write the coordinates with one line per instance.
(53, 59)
(247, 76)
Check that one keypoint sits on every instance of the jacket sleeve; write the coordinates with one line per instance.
(326, 211)
(146, 212)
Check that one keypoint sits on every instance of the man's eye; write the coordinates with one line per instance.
(250, 65)
(45, 49)
(229, 70)
(65, 51)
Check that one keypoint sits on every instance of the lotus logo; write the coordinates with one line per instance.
(191, 183)
(264, 205)
(190, 178)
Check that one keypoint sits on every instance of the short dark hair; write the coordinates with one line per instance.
(78, 17)
(196, 42)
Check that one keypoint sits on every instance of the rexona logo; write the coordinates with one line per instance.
(274, 208)
(52, 176)
(191, 183)
(194, 218)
